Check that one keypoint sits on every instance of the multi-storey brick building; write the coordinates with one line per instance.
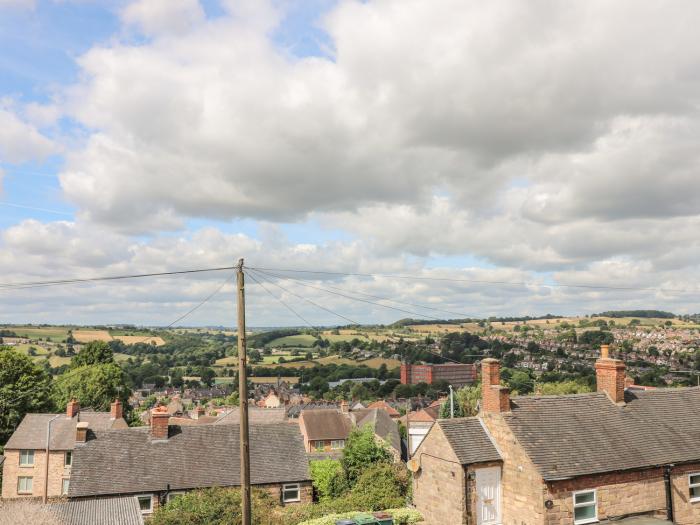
(457, 375)
(612, 455)
(24, 468)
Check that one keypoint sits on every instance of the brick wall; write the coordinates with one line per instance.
(522, 487)
(12, 470)
(439, 490)
(457, 375)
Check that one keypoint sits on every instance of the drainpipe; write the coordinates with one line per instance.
(46, 470)
(669, 494)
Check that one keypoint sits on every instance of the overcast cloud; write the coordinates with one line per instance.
(541, 142)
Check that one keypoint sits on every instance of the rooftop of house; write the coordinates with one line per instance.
(256, 416)
(385, 406)
(574, 435)
(381, 423)
(469, 440)
(97, 511)
(129, 461)
(31, 432)
(325, 424)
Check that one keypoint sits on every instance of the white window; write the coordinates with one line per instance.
(145, 503)
(64, 486)
(337, 444)
(25, 485)
(694, 484)
(585, 508)
(26, 458)
(174, 495)
(68, 458)
(291, 492)
(320, 446)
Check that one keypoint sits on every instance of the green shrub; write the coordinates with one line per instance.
(327, 478)
(402, 516)
(362, 451)
(380, 487)
(216, 506)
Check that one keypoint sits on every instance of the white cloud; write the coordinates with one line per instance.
(157, 17)
(23, 4)
(21, 142)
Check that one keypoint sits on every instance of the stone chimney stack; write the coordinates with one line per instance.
(159, 423)
(116, 411)
(81, 432)
(72, 409)
(494, 397)
(610, 376)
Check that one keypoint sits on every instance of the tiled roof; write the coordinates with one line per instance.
(385, 406)
(31, 432)
(256, 416)
(99, 511)
(381, 423)
(128, 461)
(574, 435)
(325, 424)
(469, 440)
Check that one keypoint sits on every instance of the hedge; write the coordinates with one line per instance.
(402, 516)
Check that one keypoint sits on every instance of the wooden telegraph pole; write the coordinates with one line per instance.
(243, 400)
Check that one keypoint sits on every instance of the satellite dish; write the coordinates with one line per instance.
(413, 465)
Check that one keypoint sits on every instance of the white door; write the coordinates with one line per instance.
(488, 496)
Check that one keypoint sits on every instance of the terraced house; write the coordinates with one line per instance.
(25, 470)
(620, 454)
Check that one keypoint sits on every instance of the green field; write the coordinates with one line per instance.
(337, 360)
(55, 334)
(301, 340)
(24, 348)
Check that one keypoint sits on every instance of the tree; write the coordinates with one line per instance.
(327, 478)
(94, 386)
(361, 451)
(215, 506)
(93, 353)
(24, 387)
(563, 388)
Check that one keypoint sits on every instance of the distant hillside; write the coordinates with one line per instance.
(656, 314)
(408, 321)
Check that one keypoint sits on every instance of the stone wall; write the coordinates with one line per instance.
(439, 490)
(12, 470)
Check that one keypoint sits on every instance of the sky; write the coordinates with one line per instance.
(509, 148)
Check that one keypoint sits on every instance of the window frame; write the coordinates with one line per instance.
(593, 503)
(291, 486)
(19, 483)
(150, 498)
(65, 484)
(691, 486)
(68, 463)
(23, 452)
(319, 445)
(333, 444)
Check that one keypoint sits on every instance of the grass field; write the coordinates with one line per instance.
(55, 334)
(337, 360)
(301, 340)
(85, 336)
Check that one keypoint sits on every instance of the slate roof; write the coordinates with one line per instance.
(325, 424)
(128, 461)
(574, 435)
(385, 406)
(381, 423)
(31, 432)
(101, 511)
(468, 439)
(256, 416)
(295, 411)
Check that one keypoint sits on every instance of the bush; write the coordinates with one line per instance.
(362, 451)
(327, 478)
(379, 487)
(216, 506)
(402, 516)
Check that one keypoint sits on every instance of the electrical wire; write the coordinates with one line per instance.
(281, 301)
(313, 303)
(480, 281)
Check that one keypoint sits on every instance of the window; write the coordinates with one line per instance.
(585, 507)
(337, 444)
(320, 446)
(25, 485)
(145, 503)
(694, 484)
(26, 458)
(68, 459)
(64, 486)
(290, 492)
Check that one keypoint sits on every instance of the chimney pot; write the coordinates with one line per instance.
(604, 351)
(159, 422)
(81, 432)
(116, 411)
(72, 408)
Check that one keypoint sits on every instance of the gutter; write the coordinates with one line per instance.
(669, 494)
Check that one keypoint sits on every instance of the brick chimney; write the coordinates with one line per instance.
(81, 432)
(344, 407)
(494, 397)
(72, 408)
(159, 423)
(198, 411)
(116, 410)
(610, 376)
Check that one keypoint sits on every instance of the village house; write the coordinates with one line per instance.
(25, 466)
(156, 463)
(614, 455)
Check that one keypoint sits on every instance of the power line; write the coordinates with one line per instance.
(481, 281)
(313, 303)
(35, 208)
(352, 298)
(35, 284)
(280, 300)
